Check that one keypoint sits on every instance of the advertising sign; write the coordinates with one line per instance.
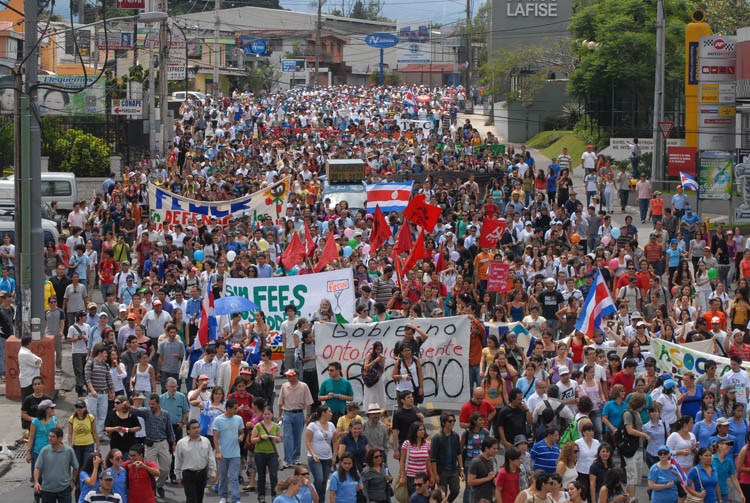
(293, 65)
(131, 4)
(619, 150)
(681, 159)
(305, 291)
(168, 208)
(127, 107)
(176, 61)
(90, 101)
(115, 40)
(716, 95)
(678, 359)
(715, 175)
(414, 42)
(381, 40)
(444, 355)
(253, 45)
(497, 277)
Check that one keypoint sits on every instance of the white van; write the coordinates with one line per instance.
(8, 226)
(57, 187)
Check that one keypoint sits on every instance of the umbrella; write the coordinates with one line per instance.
(230, 305)
(448, 98)
(423, 98)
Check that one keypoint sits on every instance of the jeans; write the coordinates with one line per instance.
(263, 461)
(624, 194)
(194, 484)
(79, 360)
(467, 489)
(294, 423)
(474, 376)
(106, 288)
(98, 407)
(33, 464)
(229, 471)
(450, 483)
(61, 497)
(643, 205)
(634, 161)
(320, 472)
(82, 452)
(596, 418)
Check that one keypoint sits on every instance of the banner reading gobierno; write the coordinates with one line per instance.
(167, 209)
(445, 354)
(305, 291)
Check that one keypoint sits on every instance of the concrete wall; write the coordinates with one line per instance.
(519, 122)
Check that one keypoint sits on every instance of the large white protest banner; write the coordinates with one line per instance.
(305, 292)
(680, 358)
(444, 358)
(167, 209)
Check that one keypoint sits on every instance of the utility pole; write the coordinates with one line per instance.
(318, 27)
(217, 52)
(657, 164)
(135, 53)
(468, 46)
(164, 82)
(152, 98)
(81, 11)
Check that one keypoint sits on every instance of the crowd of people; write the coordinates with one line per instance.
(571, 418)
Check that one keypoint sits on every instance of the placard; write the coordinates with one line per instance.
(497, 277)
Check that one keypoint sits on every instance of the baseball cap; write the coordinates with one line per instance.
(92, 305)
(722, 421)
(156, 302)
(107, 475)
(563, 370)
(290, 373)
(662, 448)
(520, 439)
(123, 307)
(670, 383)
(131, 316)
(46, 404)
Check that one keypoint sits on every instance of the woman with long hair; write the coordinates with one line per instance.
(289, 490)
(114, 461)
(375, 477)
(83, 436)
(307, 493)
(566, 464)
(702, 479)
(266, 434)
(682, 442)
(415, 455)
(345, 482)
(599, 470)
(209, 409)
(613, 490)
(355, 443)
(743, 471)
(374, 365)
(88, 476)
(561, 359)
(319, 442)
(489, 354)
(39, 431)
(738, 426)
(592, 388)
(494, 387)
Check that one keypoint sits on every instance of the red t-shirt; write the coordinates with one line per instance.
(108, 269)
(745, 268)
(140, 486)
(510, 483)
(625, 380)
(470, 408)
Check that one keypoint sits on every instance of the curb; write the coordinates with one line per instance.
(5, 466)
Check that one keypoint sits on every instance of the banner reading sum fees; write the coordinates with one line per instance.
(167, 209)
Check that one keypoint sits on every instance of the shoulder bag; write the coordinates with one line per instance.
(695, 499)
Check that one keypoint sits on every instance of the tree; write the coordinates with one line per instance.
(83, 154)
(725, 16)
(622, 66)
(368, 10)
(516, 73)
(259, 78)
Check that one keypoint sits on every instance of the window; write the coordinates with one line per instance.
(56, 188)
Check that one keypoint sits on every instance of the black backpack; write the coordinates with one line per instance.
(627, 444)
(559, 422)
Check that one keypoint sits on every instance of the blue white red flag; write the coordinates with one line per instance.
(389, 196)
(678, 470)
(411, 102)
(207, 327)
(688, 182)
(598, 304)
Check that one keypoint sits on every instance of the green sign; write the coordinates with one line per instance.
(715, 175)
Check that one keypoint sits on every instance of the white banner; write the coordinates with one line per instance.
(305, 291)
(680, 358)
(167, 208)
(445, 354)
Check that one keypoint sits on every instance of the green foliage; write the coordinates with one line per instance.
(624, 30)
(297, 51)
(259, 77)
(389, 79)
(551, 143)
(516, 73)
(590, 134)
(724, 16)
(369, 9)
(6, 142)
(83, 154)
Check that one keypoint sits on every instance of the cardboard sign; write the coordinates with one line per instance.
(497, 277)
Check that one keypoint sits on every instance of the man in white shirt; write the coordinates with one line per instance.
(28, 367)
(588, 159)
(568, 388)
(564, 159)
(155, 320)
(540, 393)
(737, 378)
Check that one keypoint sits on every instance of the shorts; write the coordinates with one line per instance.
(633, 468)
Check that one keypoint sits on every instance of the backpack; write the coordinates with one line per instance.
(558, 422)
(627, 444)
(571, 433)
(372, 375)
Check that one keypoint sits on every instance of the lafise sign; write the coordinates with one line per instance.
(531, 8)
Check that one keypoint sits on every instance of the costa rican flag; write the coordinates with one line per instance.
(411, 102)
(207, 328)
(678, 470)
(688, 182)
(598, 304)
(389, 196)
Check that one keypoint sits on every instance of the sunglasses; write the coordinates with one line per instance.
(451, 421)
(305, 474)
(418, 484)
(376, 456)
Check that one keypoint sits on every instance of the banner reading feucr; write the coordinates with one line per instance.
(167, 208)
(305, 291)
(445, 354)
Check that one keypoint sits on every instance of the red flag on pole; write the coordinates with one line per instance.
(416, 254)
(309, 242)
(399, 271)
(440, 262)
(380, 231)
(492, 232)
(421, 213)
(403, 240)
(294, 252)
(330, 253)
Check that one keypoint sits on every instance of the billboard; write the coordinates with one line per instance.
(716, 95)
(176, 60)
(681, 160)
(90, 101)
(293, 65)
(715, 175)
(537, 21)
(414, 42)
(253, 45)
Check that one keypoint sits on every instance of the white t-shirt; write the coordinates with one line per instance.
(739, 380)
(668, 407)
(568, 392)
(321, 440)
(586, 454)
(589, 159)
(676, 443)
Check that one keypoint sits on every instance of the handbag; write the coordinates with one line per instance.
(388, 485)
(204, 420)
(400, 492)
(184, 369)
(690, 498)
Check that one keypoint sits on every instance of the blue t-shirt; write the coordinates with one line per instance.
(738, 430)
(661, 476)
(692, 404)
(545, 457)
(716, 438)
(85, 488)
(283, 498)
(41, 435)
(708, 482)
(614, 411)
(674, 256)
(704, 432)
(724, 470)
(345, 490)
(228, 428)
(304, 495)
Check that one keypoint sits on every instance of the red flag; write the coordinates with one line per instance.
(403, 241)
(492, 231)
(330, 253)
(380, 231)
(421, 213)
(416, 254)
(294, 252)
(440, 262)
(399, 271)
(309, 242)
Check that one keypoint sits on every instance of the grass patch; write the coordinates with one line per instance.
(551, 143)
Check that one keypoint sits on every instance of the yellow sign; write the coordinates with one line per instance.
(709, 93)
(726, 111)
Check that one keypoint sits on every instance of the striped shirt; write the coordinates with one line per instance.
(97, 373)
(96, 496)
(159, 427)
(417, 458)
(544, 456)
